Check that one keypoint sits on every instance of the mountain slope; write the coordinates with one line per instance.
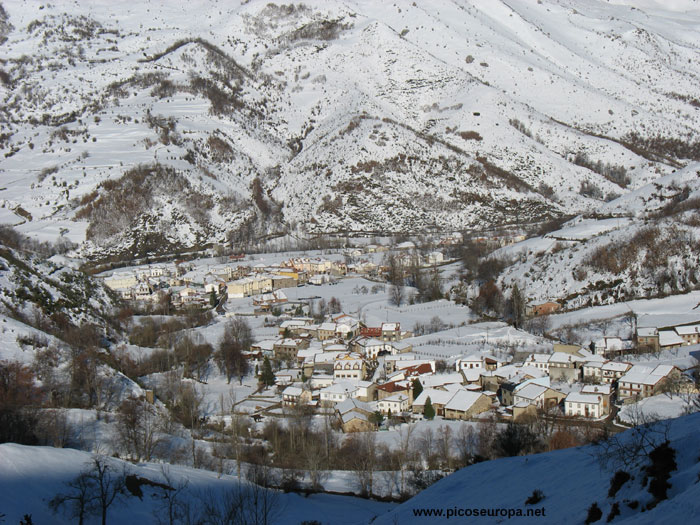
(342, 115)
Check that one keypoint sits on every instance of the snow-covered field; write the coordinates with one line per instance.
(31, 476)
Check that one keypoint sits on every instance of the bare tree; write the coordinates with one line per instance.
(405, 454)
(260, 503)
(237, 338)
(188, 406)
(631, 447)
(138, 428)
(108, 484)
(365, 461)
(76, 503)
(487, 430)
(396, 294)
(444, 445)
(466, 442)
(92, 493)
(396, 279)
(173, 507)
(426, 439)
(54, 428)
(314, 461)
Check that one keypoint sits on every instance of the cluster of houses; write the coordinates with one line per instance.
(362, 371)
(658, 339)
(186, 284)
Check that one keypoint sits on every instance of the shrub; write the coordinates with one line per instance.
(614, 173)
(470, 135)
(536, 496)
(614, 511)
(594, 513)
(617, 481)
(588, 189)
(663, 462)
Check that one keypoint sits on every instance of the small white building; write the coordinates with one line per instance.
(434, 258)
(394, 404)
(338, 392)
(581, 404)
(349, 366)
(470, 362)
(539, 361)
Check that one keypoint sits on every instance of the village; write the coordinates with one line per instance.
(372, 373)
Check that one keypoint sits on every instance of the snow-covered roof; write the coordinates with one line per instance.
(563, 357)
(352, 404)
(538, 358)
(402, 364)
(472, 374)
(688, 330)
(531, 391)
(463, 400)
(370, 341)
(662, 370)
(578, 397)
(326, 357)
(308, 352)
(353, 414)
(440, 397)
(292, 391)
(645, 375)
(646, 331)
(669, 338)
(396, 398)
(472, 358)
(597, 389)
(441, 379)
(266, 344)
(613, 366)
(342, 387)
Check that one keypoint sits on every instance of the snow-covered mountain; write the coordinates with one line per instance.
(643, 246)
(145, 126)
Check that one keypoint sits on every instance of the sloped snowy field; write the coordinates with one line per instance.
(31, 476)
(571, 481)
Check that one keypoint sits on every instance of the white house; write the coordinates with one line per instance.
(640, 381)
(394, 404)
(470, 362)
(583, 405)
(613, 370)
(338, 392)
(349, 366)
(121, 280)
(434, 258)
(539, 361)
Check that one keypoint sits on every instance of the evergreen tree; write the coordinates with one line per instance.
(428, 411)
(417, 388)
(376, 418)
(267, 378)
(516, 306)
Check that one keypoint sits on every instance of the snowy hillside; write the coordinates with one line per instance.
(647, 250)
(570, 481)
(31, 476)
(140, 128)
